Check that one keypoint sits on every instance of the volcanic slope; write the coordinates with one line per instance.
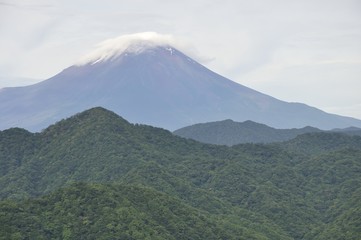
(152, 84)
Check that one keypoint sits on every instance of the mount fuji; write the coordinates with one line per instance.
(146, 80)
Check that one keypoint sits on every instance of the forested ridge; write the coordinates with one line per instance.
(96, 176)
(228, 132)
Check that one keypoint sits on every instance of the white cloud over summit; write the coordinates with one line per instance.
(134, 43)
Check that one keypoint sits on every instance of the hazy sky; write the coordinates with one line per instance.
(299, 51)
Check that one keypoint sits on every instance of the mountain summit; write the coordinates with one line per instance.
(133, 43)
(145, 79)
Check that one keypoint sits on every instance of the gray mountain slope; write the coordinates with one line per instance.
(157, 87)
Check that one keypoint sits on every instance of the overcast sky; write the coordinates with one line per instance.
(305, 51)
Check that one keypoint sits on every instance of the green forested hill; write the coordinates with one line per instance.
(99, 211)
(228, 132)
(305, 188)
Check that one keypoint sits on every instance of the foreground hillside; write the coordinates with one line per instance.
(306, 188)
(94, 211)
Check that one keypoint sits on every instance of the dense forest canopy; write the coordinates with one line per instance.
(96, 176)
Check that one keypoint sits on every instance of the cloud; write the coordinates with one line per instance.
(135, 43)
(28, 6)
